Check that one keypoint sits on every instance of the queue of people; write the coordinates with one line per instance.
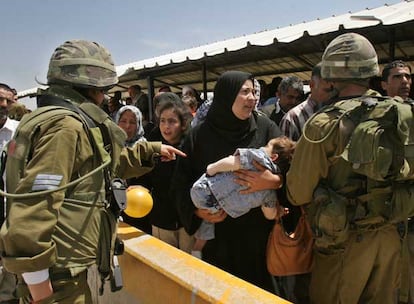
(218, 171)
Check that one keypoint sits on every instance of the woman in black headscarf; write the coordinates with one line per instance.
(239, 244)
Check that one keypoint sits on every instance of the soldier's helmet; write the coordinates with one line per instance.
(82, 63)
(349, 56)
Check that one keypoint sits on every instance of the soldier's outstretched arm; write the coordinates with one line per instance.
(140, 158)
(170, 153)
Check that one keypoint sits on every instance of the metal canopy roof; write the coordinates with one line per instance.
(291, 50)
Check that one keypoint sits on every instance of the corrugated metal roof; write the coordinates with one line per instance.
(385, 15)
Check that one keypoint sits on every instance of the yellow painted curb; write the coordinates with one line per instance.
(184, 277)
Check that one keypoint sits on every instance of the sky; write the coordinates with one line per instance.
(134, 30)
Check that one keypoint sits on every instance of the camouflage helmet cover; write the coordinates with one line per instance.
(82, 63)
(349, 56)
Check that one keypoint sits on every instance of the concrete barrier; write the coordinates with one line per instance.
(157, 273)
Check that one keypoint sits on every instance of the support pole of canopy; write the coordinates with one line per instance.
(205, 80)
(392, 44)
(150, 85)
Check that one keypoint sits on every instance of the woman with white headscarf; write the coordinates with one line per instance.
(129, 119)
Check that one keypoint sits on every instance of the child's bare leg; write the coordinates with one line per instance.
(198, 247)
(199, 244)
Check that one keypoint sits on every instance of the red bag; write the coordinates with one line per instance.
(290, 254)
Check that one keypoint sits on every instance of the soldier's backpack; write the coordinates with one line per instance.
(381, 147)
(380, 150)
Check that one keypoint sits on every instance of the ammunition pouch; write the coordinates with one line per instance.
(335, 215)
(374, 147)
(330, 224)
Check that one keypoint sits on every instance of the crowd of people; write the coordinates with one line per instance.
(220, 172)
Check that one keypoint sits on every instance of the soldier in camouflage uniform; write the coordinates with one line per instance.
(50, 240)
(357, 245)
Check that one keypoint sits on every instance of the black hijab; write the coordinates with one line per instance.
(220, 117)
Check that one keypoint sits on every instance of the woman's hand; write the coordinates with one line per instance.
(254, 181)
(206, 215)
(169, 153)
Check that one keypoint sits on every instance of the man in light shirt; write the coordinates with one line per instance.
(7, 125)
(321, 92)
(7, 128)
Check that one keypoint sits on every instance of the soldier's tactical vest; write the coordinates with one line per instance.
(381, 151)
(107, 141)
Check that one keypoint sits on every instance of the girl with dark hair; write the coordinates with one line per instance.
(173, 118)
